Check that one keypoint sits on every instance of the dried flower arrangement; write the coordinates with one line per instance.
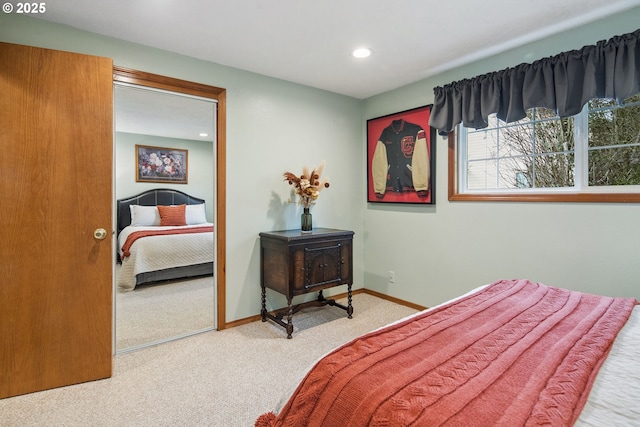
(308, 185)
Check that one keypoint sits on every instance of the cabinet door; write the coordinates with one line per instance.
(323, 265)
(56, 183)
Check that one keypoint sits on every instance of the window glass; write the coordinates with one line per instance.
(598, 148)
(614, 142)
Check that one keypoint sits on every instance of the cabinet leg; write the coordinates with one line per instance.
(289, 317)
(263, 311)
(349, 305)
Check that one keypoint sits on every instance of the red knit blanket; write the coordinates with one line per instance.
(131, 238)
(515, 353)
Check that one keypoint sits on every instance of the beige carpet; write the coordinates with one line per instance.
(158, 312)
(226, 378)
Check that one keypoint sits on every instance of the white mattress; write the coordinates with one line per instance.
(155, 253)
(615, 396)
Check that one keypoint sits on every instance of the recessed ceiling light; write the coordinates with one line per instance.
(362, 52)
(204, 134)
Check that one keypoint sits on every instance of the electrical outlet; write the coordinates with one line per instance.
(392, 276)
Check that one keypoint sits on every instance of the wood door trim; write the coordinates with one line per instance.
(156, 81)
(141, 78)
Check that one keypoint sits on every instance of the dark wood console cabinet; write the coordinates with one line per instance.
(295, 263)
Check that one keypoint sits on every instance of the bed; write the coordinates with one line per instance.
(163, 234)
(510, 353)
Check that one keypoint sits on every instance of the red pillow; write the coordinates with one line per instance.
(173, 215)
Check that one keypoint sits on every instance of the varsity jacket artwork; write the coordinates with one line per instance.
(401, 160)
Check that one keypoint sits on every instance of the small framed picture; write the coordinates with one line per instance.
(159, 164)
(401, 158)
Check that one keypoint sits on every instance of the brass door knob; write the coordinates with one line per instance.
(100, 234)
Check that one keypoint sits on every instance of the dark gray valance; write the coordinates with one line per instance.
(563, 83)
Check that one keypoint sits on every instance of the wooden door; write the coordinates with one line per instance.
(56, 142)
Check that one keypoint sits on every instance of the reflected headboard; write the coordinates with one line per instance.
(154, 197)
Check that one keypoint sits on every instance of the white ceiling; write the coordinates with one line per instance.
(150, 112)
(309, 42)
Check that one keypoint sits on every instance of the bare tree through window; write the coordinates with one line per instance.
(539, 151)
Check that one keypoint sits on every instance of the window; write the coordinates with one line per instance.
(593, 156)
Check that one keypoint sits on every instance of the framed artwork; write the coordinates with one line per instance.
(159, 164)
(401, 158)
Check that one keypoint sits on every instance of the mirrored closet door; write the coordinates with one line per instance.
(164, 141)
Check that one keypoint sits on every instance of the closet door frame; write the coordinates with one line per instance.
(141, 78)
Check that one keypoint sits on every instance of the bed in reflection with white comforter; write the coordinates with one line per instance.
(163, 235)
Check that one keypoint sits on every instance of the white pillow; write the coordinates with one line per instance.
(144, 216)
(195, 214)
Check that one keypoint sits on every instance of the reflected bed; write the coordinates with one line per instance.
(163, 235)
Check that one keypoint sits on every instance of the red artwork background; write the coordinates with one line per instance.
(419, 116)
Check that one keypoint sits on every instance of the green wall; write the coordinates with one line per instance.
(436, 252)
(443, 251)
(201, 176)
(273, 126)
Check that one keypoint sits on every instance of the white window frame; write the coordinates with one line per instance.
(580, 192)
